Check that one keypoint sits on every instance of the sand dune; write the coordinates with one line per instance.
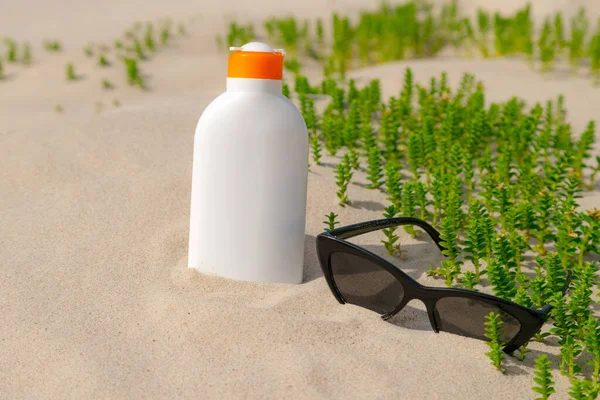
(96, 300)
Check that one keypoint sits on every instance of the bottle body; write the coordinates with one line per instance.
(248, 208)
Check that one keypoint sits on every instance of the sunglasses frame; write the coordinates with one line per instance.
(332, 241)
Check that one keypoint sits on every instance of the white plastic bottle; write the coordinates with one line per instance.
(248, 206)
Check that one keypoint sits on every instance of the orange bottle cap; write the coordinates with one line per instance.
(255, 61)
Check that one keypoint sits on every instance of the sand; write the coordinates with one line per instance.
(96, 300)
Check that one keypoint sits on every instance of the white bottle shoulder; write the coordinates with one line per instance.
(245, 110)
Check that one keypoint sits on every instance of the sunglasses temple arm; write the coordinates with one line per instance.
(349, 231)
(545, 311)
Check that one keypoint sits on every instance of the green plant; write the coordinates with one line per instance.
(555, 272)
(483, 24)
(590, 234)
(165, 33)
(493, 331)
(421, 199)
(315, 145)
(116, 103)
(88, 50)
(543, 378)
(388, 132)
(569, 350)
(59, 108)
(559, 32)
(52, 45)
(149, 38)
(354, 160)
(545, 209)
(547, 45)
(102, 61)
(579, 28)
(238, 34)
(320, 33)
(181, 29)
(522, 297)
(594, 173)
(393, 185)
(285, 90)
(352, 126)
(138, 49)
(566, 329)
(106, 84)
(134, 77)
(501, 280)
(469, 280)
(591, 338)
(301, 85)
(416, 154)
(594, 52)
(392, 238)
(332, 129)
(408, 205)
(331, 222)
(292, 65)
(584, 389)
(70, 72)
(451, 266)
(11, 50)
(374, 169)
(475, 244)
(307, 108)
(286, 32)
(343, 177)
(583, 148)
(26, 54)
(338, 100)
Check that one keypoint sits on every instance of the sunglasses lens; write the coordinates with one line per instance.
(366, 284)
(464, 316)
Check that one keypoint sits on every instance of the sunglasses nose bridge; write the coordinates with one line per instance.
(430, 304)
(421, 293)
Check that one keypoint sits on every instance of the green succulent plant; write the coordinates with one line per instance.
(543, 378)
(331, 222)
(493, 331)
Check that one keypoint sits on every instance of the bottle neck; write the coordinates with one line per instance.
(254, 85)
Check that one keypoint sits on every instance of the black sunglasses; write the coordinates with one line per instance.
(359, 277)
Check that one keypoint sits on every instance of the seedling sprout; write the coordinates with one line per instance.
(70, 72)
(331, 222)
(27, 54)
(52, 45)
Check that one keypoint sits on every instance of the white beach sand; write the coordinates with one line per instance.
(96, 300)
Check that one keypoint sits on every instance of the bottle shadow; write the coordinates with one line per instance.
(312, 268)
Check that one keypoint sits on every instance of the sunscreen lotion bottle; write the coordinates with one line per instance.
(249, 179)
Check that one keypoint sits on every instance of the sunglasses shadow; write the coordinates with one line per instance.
(415, 261)
(514, 366)
(410, 317)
